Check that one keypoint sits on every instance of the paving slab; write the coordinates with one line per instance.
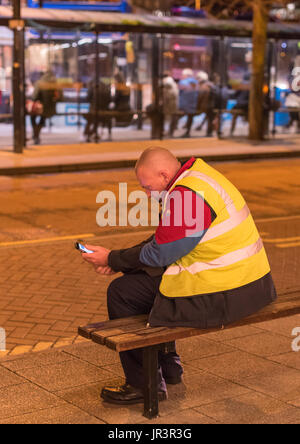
(64, 374)
(291, 359)
(282, 384)
(237, 366)
(16, 400)
(251, 408)
(263, 344)
(64, 414)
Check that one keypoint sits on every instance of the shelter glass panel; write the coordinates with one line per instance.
(286, 85)
(102, 85)
(6, 53)
(191, 74)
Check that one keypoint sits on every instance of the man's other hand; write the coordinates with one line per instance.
(107, 271)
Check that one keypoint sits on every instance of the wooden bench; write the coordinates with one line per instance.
(133, 332)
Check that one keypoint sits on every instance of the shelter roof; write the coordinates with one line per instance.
(112, 22)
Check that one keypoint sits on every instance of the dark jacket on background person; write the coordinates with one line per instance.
(103, 98)
(122, 101)
(188, 95)
(46, 91)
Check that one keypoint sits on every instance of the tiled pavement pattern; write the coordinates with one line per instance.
(245, 375)
(47, 291)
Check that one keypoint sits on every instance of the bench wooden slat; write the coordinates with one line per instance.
(152, 336)
(87, 330)
(100, 336)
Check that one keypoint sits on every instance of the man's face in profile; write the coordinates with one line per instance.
(152, 181)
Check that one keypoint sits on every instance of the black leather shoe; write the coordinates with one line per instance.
(126, 394)
(173, 379)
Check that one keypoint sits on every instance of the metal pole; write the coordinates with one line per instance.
(223, 74)
(24, 88)
(78, 82)
(156, 123)
(268, 95)
(17, 25)
(96, 87)
(275, 83)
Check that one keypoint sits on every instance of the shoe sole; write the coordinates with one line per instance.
(173, 381)
(107, 398)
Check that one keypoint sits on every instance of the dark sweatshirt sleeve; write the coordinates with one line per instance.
(128, 260)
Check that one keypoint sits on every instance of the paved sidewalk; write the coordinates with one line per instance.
(83, 156)
(246, 375)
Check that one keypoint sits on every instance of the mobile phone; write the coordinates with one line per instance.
(82, 248)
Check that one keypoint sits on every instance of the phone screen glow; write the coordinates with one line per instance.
(84, 249)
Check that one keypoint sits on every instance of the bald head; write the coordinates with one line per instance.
(158, 158)
(156, 168)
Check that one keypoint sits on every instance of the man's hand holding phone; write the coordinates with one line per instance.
(96, 256)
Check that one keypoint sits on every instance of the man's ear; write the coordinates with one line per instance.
(166, 177)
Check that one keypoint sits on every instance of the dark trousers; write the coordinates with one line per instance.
(210, 115)
(90, 127)
(37, 122)
(134, 294)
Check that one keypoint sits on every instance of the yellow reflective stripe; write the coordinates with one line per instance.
(223, 227)
(223, 261)
(217, 187)
(172, 188)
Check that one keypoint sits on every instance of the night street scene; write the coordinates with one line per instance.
(150, 214)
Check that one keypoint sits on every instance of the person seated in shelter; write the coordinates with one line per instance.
(188, 95)
(205, 103)
(170, 93)
(46, 94)
(204, 267)
(122, 100)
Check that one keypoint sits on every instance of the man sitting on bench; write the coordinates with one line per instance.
(205, 266)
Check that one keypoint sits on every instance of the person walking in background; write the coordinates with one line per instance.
(101, 102)
(293, 101)
(188, 97)
(45, 96)
(205, 103)
(242, 98)
(122, 100)
(170, 102)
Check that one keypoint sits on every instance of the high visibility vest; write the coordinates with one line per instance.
(230, 254)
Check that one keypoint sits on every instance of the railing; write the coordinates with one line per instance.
(155, 117)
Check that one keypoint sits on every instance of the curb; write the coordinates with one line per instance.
(107, 165)
(41, 346)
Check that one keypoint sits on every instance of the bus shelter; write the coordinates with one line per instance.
(126, 59)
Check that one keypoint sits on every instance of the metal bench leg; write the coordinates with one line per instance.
(150, 364)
